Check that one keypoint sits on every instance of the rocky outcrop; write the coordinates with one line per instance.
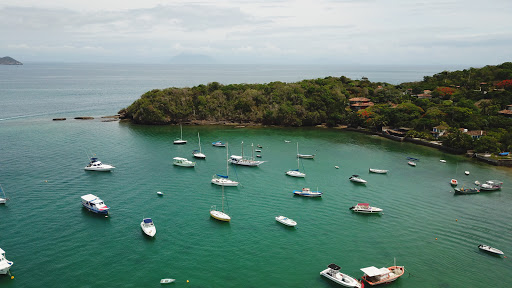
(9, 61)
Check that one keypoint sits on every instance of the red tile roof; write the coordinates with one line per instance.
(359, 99)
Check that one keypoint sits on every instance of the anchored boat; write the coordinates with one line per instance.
(333, 273)
(375, 276)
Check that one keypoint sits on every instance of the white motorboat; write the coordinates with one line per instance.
(378, 171)
(411, 163)
(333, 273)
(240, 160)
(296, 172)
(287, 141)
(286, 221)
(198, 153)
(257, 150)
(167, 281)
(375, 276)
(442, 161)
(148, 227)
(180, 140)
(94, 204)
(160, 193)
(96, 165)
(218, 144)
(5, 264)
(306, 192)
(355, 178)
(220, 214)
(183, 162)
(454, 182)
(222, 180)
(3, 198)
(466, 172)
(365, 208)
(491, 185)
(490, 249)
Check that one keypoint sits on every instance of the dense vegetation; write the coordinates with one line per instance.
(468, 99)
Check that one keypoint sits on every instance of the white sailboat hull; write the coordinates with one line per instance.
(224, 182)
(219, 215)
(294, 173)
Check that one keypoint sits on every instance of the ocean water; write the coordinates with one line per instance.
(54, 242)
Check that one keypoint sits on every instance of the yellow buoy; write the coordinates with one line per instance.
(436, 238)
(12, 277)
(187, 281)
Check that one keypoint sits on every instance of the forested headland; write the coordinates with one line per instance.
(468, 99)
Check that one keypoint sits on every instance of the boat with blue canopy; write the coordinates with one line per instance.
(148, 227)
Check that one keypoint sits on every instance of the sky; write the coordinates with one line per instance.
(356, 32)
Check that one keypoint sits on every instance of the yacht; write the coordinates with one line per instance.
(183, 162)
(148, 227)
(94, 204)
(96, 165)
(286, 221)
(491, 185)
(378, 171)
(357, 179)
(490, 249)
(198, 153)
(5, 264)
(240, 160)
(333, 273)
(365, 208)
(296, 172)
(306, 192)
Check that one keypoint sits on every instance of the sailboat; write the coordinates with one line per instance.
(180, 140)
(3, 198)
(296, 172)
(199, 154)
(222, 180)
(240, 160)
(220, 215)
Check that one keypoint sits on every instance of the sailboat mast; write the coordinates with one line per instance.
(252, 146)
(242, 149)
(199, 142)
(223, 199)
(227, 163)
(298, 158)
(181, 133)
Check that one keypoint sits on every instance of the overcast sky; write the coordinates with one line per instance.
(369, 32)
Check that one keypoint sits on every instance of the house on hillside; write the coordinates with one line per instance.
(359, 103)
(439, 131)
(507, 112)
(475, 134)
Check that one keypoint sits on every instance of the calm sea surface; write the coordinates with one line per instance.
(54, 242)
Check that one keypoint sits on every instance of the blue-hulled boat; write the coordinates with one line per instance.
(94, 204)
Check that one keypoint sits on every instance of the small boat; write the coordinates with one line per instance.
(258, 156)
(413, 159)
(220, 214)
(355, 178)
(454, 182)
(490, 249)
(442, 161)
(466, 172)
(198, 153)
(286, 221)
(218, 144)
(94, 204)
(306, 192)
(378, 171)
(257, 150)
(287, 141)
(295, 173)
(466, 190)
(374, 276)
(333, 273)
(222, 180)
(337, 167)
(365, 208)
(167, 281)
(306, 156)
(160, 193)
(148, 227)
(96, 165)
(183, 162)
(491, 185)
(411, 163)
(259, 146)
(180, 141)
(5, 264)
(477, 183)
(3, 198)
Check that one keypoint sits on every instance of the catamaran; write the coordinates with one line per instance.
(223, 180)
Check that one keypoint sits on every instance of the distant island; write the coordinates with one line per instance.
(9, 61)
(461, 110)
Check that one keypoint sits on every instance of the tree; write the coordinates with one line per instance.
(458, 140)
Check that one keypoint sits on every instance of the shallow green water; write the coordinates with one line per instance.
(56, 243)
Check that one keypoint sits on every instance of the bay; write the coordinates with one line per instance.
(54, 242)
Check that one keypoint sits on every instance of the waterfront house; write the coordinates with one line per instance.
(439, 130)
(359, 103)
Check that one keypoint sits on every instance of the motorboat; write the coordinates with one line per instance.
(442, 161)
(306, 156)
(198, 153)
(491, 185)
(411, 163)
(466, 190)
(466, 172)
(96, 165)
(258, 156)
(295, 173)
(286, 221)
(220, 214)
(337, 167)
(167, 281)
(365, 208)
(148, 227)
(3, 198)
(454, 182)
(374, 276)
(259, 146)
(218, 144)
(257, 150)
(180, 141)
(223, 180)
(183, 162)
(333, 273)
(306, 192)
(287, 141)
(160, 193)
(378, 171)
(355, 178)
(5, 264)
(94, 204)
(490, 249)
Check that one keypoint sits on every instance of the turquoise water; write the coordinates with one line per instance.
(54, 242)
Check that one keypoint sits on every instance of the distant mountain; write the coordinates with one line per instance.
(9, 61)
(192, 59)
